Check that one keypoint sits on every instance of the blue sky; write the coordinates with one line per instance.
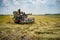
(30, 6)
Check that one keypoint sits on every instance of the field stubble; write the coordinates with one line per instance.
(44, 28)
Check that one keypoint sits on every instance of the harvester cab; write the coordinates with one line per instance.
(21, 17)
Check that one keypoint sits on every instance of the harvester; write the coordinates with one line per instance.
(21, 17)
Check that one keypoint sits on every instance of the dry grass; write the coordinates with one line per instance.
(44, 28)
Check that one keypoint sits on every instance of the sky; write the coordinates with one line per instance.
(30, 6)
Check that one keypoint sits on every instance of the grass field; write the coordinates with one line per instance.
(44, 28)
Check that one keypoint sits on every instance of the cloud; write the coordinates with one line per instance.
(6, 2)
(34, 6)
(15, 2)
(10, 2)
(37, 2)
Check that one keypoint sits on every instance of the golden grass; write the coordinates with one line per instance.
(44, 28)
